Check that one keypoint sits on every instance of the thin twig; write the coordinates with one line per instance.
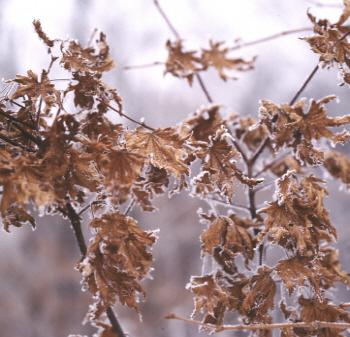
(314, 325)
(304, 85)
(144, 65)
(10, 141)
(15, 103)
(171, 27)
(16, 120)
(177, 35)
(92, 37)
(239, 149)
(201, 83)
(259, 150)
(88, 206)
(113, 319)
(270, 37)
(127, 117)
(268, 166)
(130, 206)
(230, 204)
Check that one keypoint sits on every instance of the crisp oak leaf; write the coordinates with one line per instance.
(217, 57)
(260, 294)
(314, 124)
(120, 167)
(125, 243)
(33, 88)
(208, 294)
(338, 165)
(296, 271)
(217, 158)
(91, 59)
(16, 216)
(116, 258)
(163, 147)
(202, 124)
(180, 63)
(313, 310)
(229, 236)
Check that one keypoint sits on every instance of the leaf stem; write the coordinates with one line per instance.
(127, 117)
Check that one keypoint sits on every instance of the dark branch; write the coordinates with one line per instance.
(75, 220)
(10, 141)
(113, 319)
(34, 139)
(16, 120)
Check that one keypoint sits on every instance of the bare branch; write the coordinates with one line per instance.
(304, 86)
(16, 119)
(157, 63)
(271, 37)
(10, 141)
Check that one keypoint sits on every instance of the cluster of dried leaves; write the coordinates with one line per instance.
(57, 159)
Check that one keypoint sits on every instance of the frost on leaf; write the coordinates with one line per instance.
(202, 124)
(207, 294)
(217, 57)
(298, 219)
(163, 147)
(217, 159)
(260, 293)
(250, 132)
(313, 310)
(289, 126)
(91, 59)
(116, 259)
(229, 237)
(296, 271)
(16, 216)
(338, 165)
(105, 330)
(330, 42)
(33, 88)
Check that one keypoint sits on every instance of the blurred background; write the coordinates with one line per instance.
(40, 293)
